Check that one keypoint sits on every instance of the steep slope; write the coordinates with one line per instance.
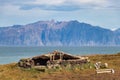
(51, 33)
(117, 36)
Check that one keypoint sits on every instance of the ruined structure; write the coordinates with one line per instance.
(53, 59)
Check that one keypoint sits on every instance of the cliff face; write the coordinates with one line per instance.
(50, 33)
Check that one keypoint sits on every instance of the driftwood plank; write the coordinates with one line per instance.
(105, 71)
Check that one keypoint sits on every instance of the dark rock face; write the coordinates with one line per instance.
(50, 33)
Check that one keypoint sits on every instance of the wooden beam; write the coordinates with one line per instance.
(61, 56)
(105, 71)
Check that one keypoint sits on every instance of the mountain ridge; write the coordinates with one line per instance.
(59, 33)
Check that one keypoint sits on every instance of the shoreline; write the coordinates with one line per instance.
(13, 72)
(86, 55)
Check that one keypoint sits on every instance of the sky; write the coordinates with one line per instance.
(104, 13)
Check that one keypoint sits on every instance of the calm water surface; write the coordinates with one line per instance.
(13, 54)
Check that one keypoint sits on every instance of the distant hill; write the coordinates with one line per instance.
(64, 33)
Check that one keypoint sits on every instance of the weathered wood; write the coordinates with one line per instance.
(105, 71)
(100, 65)
(40, 68)
(52, 59)
(66, 62)
(61, 56)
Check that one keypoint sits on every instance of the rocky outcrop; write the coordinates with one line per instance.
(64, 33)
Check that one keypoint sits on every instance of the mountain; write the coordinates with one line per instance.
(118, 30)
(64, 33)
(117, 36)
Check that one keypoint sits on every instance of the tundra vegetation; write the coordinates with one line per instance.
(79, 72)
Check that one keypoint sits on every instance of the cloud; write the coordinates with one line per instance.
(62, 5)
(97, 12)
(53, 8)
(13, 2)
(48, 2)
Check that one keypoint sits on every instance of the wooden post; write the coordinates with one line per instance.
(50, 57)
(53, 57)
(54, 53)
(61, 56)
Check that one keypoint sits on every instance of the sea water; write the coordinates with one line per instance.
(14, 54)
